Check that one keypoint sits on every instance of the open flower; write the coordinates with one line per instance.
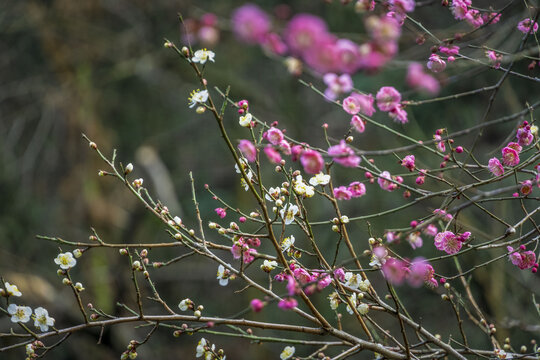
(448, 242)
(223, 275)
(42, 320)
(287, 243)
(202, 56)
(287, 353)
(65, 260)
(288, 215)
(245, 121)
(12, 290)
(320, 179)
(197, 97)
(19, 313)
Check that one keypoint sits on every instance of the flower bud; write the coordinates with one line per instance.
(123, 251)
(128, 169)
(200, 110)
(77, 253)
(185, 51)
(66, 281)
(335, 228)
(197, 313)
(93, 145)
(191, 232)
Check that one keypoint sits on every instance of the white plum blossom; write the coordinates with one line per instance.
(184, 304)
(287, 353)
(362, 308)
(273, 193)
(65, 260)
(352, 299)
(355, 281)
(197, 97)
(334, 300)
(320, 179)
(287, 243)
(202, 56)
(288, 216)
(223, 275)
(42, 320)
(12, 290)
(301, 188)
(30, 349)
(19, 313)
(201, 347)
(269, 265)
(245, 121)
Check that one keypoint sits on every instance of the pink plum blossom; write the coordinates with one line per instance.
(358, 124)
(435, 63)
(304, 32)
(342, 193)
(256, 305)
(272, 154)
(312, 161)
(524, 135)
(337, 85)
(274, 136)
(344, 155)
(247, 149)
(510, 157)
(365, 103)
(385, 182)
(521, 258)
(250, 23)
(287, 304)
(495, 167)
(222, 212)
(447, 241)
(421, 272)
(525, 26)
(394, 270)
(351, 105)
(418, 79)
(388, 98)
(408, 162)
(357, 189)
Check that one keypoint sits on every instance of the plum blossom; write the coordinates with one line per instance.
(337, 85)
(525, 26)
(394, 270)
(287, 304)
(269, 265)
(435, 63)
(524, 135)
(334, 300)
(185, 304)
(418, 79)
(312, 161)
(399, 114)
(250, 23)
(19, 313)
(379, 256)
(447, 241)
(272, 154)
(495, 167)
(223, 275)
(344, 155)
(320, 179)
(12, 290)
(197, 97)
(256, 305)
(408, 162)
(304, 33)
(388, 98)
(287, 353)
(65, 260)
(415, 240)
(245, 120)
(521, 258)
(510, 156)
(274, 136)
(202, 56)
(358, 124)
(421, 272)
(385, 182)
(342, 193)
(247, 149)
(288, 213)
(357, 189)
(287, 242)
(222, 212)
(42, 319)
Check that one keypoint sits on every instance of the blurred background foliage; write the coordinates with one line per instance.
(99, 68)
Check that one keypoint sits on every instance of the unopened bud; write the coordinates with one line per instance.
(93, 145)
(185, 51)
(335, 228)
(128, 169)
